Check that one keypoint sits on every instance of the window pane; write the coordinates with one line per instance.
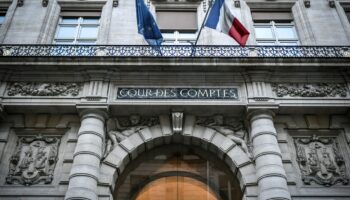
(88, 32)
(2, 19)
(66, 32)
(69, 20)
(285, 32)
(264, 32)
(91, 20)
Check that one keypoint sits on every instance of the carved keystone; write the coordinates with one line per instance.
(177, 119)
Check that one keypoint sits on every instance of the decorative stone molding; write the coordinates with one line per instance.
(320, 161)
(115, 3)
(45, 3)
(331, 3)
(20, 3)
(230, 127)
(177, 119)
(43, 89)
(237, 3)
(310, 90)
(307, 3)
(34, 160)
(120, 128)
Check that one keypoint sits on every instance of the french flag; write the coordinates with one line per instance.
(221, 18)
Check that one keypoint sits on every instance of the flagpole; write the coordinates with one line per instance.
(205, 19)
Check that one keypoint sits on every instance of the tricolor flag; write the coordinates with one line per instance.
(222, 19)
(146, 24)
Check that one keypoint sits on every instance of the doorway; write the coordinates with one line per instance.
(176, 188)
(177, 172)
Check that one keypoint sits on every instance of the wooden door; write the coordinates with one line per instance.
(176, 188)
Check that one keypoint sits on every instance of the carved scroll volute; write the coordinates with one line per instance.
(33, 161)
(320, 161)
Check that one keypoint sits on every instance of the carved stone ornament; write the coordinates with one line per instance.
(20, 3)
(320, 161)
(34, 160)
(307, 3)
(45, 3)
(310, 90)
(331, 3)
(230, 127)
(43, 89)
(237, 3)
(177, 119)
(120, 128)
(115, 3)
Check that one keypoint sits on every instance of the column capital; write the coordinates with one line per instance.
(255, 114)
(100, 112)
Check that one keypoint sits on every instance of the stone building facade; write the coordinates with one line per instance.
(89, 111)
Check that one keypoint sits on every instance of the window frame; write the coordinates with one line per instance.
(79, 25)
(273, 25)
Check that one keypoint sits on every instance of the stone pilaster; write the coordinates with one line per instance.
(84, 174)
(272, 180)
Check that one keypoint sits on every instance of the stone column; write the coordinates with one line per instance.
(84, 174)
(272, 180)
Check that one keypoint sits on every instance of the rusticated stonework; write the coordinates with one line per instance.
(43, 89)
(310, 90)
(34, 160)
(320, 161)
(230, 127)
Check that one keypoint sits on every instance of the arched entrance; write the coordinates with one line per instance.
(177, 172)
(121, 161)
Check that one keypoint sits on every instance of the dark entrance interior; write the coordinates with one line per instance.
(177, 172)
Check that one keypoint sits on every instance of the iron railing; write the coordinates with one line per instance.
(174, 51)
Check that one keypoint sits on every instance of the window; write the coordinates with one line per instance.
(178, 27)
(274, 28)
(74, 29)
(347, 12)
(2, 18)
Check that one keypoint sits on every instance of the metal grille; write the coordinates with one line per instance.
(175, 51)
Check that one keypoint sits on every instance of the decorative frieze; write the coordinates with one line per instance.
(230, 127)
(310, 90)
(320, 160)
(43, 89)
(34, 160)
(120, 128)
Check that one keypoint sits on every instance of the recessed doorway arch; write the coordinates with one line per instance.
(177, 170)
(121, 158)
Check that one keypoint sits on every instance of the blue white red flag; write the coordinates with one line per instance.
(146, 24)
(222, 19)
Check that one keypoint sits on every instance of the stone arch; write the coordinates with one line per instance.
(206, 138)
